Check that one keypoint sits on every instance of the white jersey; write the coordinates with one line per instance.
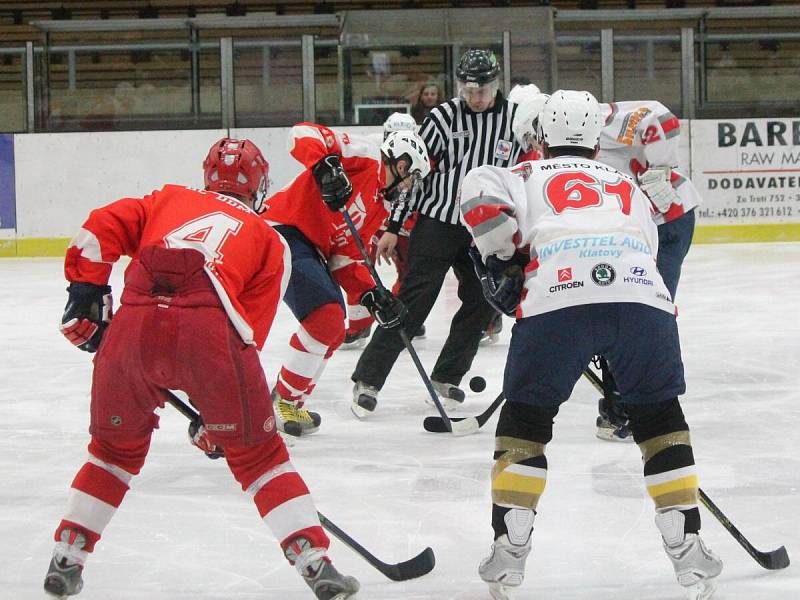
(642, 134)
(587, 226)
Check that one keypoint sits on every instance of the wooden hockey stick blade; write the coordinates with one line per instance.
(772, 560)
(437, 424)
(420, 565)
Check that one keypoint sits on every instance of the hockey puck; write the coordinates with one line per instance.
(477, 384)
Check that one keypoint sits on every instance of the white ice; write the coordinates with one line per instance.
(186, 531)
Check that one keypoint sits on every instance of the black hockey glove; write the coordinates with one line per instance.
(198, 436)
(333, 183)
(387, 310)
(86, 315)
(502, 280)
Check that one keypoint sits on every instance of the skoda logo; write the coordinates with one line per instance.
(638, 272)
(603, 274)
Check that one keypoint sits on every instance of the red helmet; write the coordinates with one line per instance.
(237, 167)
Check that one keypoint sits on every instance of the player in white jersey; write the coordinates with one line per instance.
(641, 139)
(569, 246)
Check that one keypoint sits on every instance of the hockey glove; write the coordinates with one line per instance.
(198, 436)
(333, 183)
(655, 182)
(387, 310)
(86, 315)
(501, 280)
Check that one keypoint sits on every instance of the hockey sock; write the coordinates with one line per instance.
(358, 316)
(99, 488)
(519, 474)
(279, 492)
(319, 335)
(662, 434)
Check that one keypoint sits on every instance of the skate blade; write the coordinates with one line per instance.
(702, 590)
(354, 345)
(608, 436)
(288, 440)
(498, 591)
(489, 339)
(447, 403)
(359, 411)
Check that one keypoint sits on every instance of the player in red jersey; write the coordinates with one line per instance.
(201, 292)
(347, 172)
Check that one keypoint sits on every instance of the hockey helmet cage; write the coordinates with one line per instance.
(521, 93)
(526, 120)
(237, 167)
(571, 118)
(407, 145)
(398, 121)
(477, 67)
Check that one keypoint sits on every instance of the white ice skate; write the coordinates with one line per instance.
(318, 572)
(450, 395)
(696, 567)
(365, 399)
(63, 577)
(504, 569)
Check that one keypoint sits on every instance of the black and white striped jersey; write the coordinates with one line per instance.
(458, 140)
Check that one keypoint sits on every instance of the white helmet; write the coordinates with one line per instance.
(402, 144)
(398, 122)
(571, 118)
(526, 120)
(523, 92)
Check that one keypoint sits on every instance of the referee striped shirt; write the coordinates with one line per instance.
(458, 140)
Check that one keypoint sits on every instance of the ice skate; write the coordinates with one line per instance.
(356, 339)
(451, 395)
(318, 572)
(611, 425)
(504, 568)
(696, 567)
(63, 577)
(292, 420)
(365, 399)
(492, 333)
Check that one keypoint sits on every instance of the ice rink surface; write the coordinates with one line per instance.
(186, 531)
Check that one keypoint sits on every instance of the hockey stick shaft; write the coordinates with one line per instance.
(773, 559)
(410, 569)
(403, 335)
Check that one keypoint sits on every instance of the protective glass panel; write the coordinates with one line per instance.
(531, 63)
(12, 91)
(144, 86)
(268, 78)
(648, 67)
(579, 64)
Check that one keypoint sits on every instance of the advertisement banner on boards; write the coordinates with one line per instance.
(747, 170)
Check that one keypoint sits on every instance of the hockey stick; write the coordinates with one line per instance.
(455, 427)
(412, 568)
(437, 425)
(772, 560)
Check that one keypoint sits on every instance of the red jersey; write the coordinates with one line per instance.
(300, 203)
(246, 260)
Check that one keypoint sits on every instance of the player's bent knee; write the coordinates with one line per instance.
(248, 463)
(655, 419)
(526, 422)
(326, 325)
(127, 455)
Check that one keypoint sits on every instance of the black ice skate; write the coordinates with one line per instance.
(318, 572)
(293, 420)
(66, 567)
(356, 339)
(365, 399)
(612, 424)
(451, 395)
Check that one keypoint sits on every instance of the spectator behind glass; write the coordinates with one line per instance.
(430, 95)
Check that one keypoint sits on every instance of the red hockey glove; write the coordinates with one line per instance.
(87, 314)
(198, 436)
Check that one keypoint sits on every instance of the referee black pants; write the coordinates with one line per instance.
(435, 247)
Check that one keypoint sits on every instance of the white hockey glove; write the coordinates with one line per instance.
(655, 182)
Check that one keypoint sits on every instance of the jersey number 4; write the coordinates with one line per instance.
(207, 234)
(576, 190)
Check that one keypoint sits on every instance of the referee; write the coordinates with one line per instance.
(468, 131)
